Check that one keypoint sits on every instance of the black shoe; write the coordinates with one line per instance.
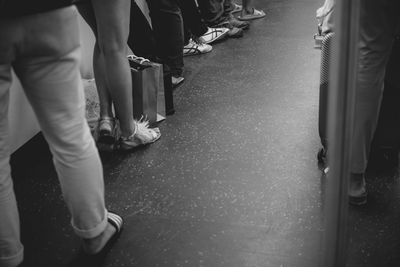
(357, 191)
(321, 157)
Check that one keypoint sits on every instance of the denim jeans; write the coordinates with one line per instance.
(44, 52)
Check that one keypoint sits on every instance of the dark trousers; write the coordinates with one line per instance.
(141, 39)
(215, 11)
(167, 24)
(193, 24)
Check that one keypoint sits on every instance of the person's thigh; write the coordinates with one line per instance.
(49, 73)
(52, 83)
(113, 20)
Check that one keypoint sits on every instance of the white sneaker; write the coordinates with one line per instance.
(214, 34)
(196, 48)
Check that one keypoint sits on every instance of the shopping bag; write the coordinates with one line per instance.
(147, 89)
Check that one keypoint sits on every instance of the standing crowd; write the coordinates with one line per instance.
(39, 41)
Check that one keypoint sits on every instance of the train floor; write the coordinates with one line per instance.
(234, 180)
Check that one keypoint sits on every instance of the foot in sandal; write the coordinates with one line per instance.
(142, 136)
(253, 14)
(236, 8)
(103, 243)
(94, 250)
(106, 134)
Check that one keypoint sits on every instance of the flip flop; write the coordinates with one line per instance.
(142, 136)
(257, 14)
(88, 260)
(236, 8)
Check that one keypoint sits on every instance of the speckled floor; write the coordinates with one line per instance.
(233, 180)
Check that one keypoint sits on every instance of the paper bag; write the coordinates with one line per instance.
(147, 89)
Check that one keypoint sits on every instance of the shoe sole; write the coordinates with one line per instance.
(359, 200)
(196, 54)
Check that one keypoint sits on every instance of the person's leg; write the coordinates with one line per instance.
(112, 19)
(53, 85)
(192, 18)
(212, 11)
(49, 74)
(249, 12)
(229, 20)
(141, 36)
(11, 249)
(247, 6)
(168, 28)
(86, 10)
(378, 25)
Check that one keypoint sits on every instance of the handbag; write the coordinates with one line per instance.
(147, 89)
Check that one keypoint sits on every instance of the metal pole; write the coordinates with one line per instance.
(341, 101)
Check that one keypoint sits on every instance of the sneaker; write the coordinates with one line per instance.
(238, 23)
(214, 34)
(196, 47)
(235, 32)
(176, 81)
(322, 158)
(142, 136)
(106, 134)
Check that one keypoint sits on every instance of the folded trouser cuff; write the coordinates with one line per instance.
(91, 233)
(14, 260)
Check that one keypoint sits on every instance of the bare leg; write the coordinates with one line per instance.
(113, 29)
(247, 6)
(86, 11)
(249, 12)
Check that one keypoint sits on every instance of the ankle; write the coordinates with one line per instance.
(131, 130)
(94, 245)
(248, 10)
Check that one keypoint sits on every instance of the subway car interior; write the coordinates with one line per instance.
(242, 175)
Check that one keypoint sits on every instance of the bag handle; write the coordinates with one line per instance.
(140, 59)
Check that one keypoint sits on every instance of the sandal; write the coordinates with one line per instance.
(117, 222)
(142, 136)
(236, 8)
(256, 14)
(85, 260)
(106, 134)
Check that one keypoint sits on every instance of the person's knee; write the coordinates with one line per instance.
(76, 142)
(112, 47)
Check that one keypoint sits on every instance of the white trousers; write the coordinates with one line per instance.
(44, 52)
